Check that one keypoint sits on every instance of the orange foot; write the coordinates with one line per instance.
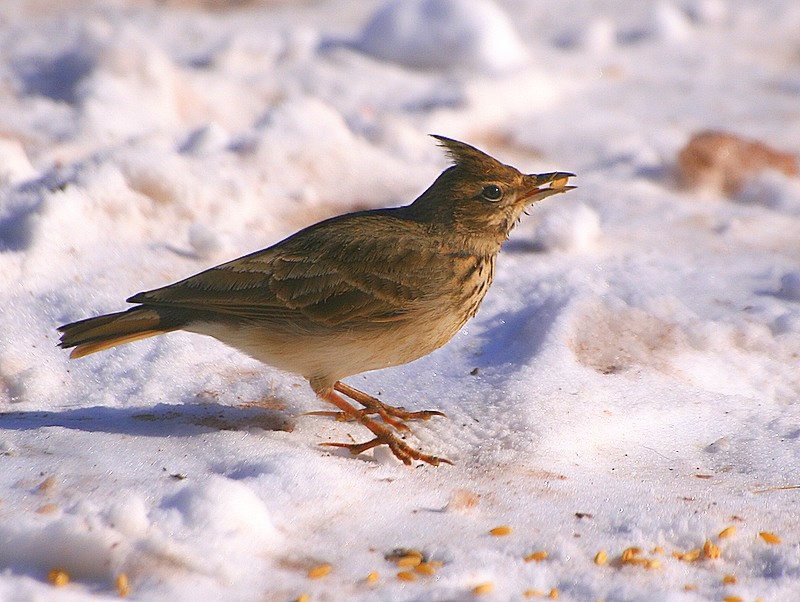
(391, 415)
(383, 436)
(375, 406)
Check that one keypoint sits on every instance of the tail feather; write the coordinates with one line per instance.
(103, 332)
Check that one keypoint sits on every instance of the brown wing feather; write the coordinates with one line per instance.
(333, 273)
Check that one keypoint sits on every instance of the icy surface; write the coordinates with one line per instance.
(442, 34)
(632, 379)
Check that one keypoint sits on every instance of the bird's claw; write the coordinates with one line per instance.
(358, 415)
(401, 450)
(391, 415)
(392, 418)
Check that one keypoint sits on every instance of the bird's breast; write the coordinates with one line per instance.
(474, 275)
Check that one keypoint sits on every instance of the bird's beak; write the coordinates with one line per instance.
(544, 185)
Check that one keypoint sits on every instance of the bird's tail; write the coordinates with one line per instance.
(103, 332)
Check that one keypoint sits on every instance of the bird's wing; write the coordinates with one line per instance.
(338, 272)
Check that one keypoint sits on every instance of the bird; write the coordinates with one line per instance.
(357, 292)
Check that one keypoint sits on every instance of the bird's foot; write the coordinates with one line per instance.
(359, 414)
(388, 413)
(401, 450)
(383, 436)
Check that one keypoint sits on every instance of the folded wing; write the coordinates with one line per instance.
(354, 270)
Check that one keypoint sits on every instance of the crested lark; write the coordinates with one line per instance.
(357, 292)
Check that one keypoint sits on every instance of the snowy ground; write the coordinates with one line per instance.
(631, 381)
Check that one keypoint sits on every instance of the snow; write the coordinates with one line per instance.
(444, 34)
(631, 380)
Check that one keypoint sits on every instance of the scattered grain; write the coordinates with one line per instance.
(501, 531)
(689, 556)
(537, 556)
(425, 568)
(319, 571)
(123, 586)
(399, 553)
(769, 537)
(409, 562)
(58, 577)
(47, 486)
(47, 508)
(601, 557)
(711, 550)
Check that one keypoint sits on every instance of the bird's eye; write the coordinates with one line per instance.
(492, 192)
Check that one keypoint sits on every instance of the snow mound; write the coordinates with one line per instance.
(568, 228)
(444, 34)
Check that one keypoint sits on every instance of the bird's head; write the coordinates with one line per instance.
(480, 197)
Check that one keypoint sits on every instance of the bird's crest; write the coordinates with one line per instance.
(466, 156)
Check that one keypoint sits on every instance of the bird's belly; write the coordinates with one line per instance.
(327, 355)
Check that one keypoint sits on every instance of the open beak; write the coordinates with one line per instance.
(544, 185)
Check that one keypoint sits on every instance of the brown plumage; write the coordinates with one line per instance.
(353, 293)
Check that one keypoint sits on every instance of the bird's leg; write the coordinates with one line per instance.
(342, 417)
(391, 415)
(383, 436)
(376, 406)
